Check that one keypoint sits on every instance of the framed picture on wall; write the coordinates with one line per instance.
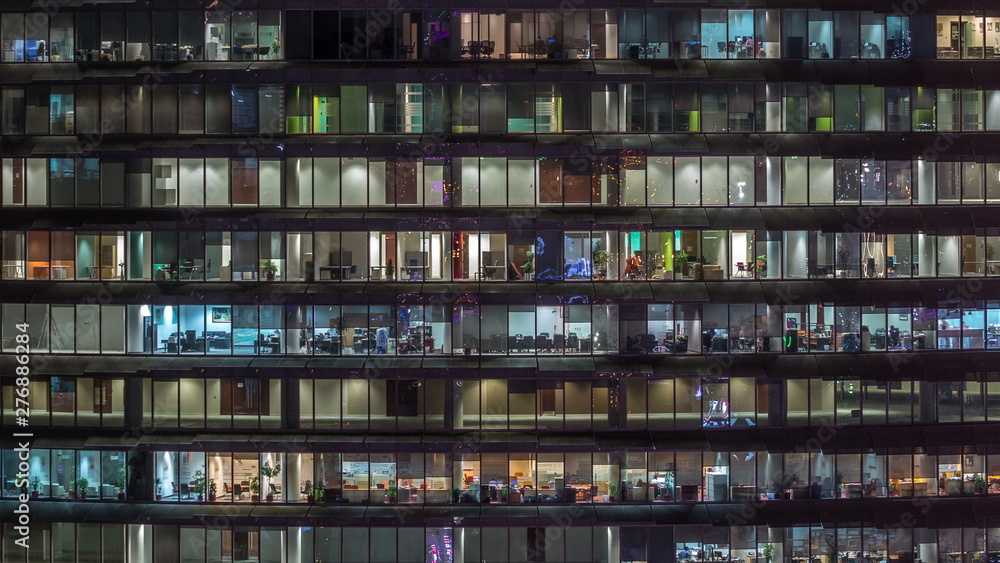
(158, 315)
(904, 317)
(222, 315)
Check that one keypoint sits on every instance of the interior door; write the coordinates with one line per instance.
(102, 396)
(17, 177)
(226, 397)
(548, 401)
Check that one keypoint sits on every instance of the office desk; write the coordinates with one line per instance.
(189, 272)
(334, 272)
(907, 489)
(47, 272)
(414, 272)
(951, 338)
(854, 490)
(819, 343)
(493, 273)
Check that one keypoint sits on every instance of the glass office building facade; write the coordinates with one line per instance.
(551, 281)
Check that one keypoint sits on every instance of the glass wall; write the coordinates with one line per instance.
(548, 403)
(602, 182)
(637, 477)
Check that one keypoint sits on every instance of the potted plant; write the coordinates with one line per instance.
(503, 495)
(254, 489)
(528, 268)
(759, 266)
(199, 485)
(320, 495)
(893, 490)
(36, 482)
(213, 488)
(275, 49)
(308, 490)
(268, 269)
(120, 483)
(391, 492)
(767, 551)
(612, 490)
(681, 343)
(601, 259)
(668, 486)
(979, 484)
(270, 473)
(680, 263)
(390, 270)
(159, 489)
(81, 485)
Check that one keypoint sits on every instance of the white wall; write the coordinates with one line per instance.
(687, 175)
(660, 179)
(820, 180)
(325, 178)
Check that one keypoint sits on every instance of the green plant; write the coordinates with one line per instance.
(268, 267)
(213, 488)
(680, 261)
(275, 46)
(199, 482)
(320, 493)
(601, 258)
(391, 491)
(308, 487)
(81, 485)
(529, 262)
(159, 486)
(612, 488)
(390, 269)
(121, 481)
(979, 482)
(759, 265)
(36, 482)
(767, 551)
(270, 472)
(254, 485)
(668, 477)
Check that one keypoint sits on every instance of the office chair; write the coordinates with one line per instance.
(573, 342)
(722, 47)
(543, 342)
